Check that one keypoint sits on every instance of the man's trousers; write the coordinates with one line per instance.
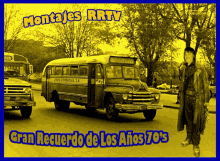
(190, 101)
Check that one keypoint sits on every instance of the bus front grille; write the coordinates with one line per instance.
(141, 97)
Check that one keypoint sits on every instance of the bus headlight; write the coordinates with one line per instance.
(125, 96)
(27, 90)
(157, 96)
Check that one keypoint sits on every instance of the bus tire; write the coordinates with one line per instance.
(65, 105)
(149, 114)
(26, 111)
(111, 112)
(61, 105)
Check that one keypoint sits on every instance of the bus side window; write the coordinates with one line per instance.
(83, 70)
(58, 71)
(74, 70)
(66, 71)
(98, 72)
(48, 71)
(52, 70)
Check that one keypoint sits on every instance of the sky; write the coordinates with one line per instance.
(42, 9)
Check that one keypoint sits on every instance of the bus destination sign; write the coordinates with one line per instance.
(122, 60)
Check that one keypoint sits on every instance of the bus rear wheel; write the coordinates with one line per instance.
(149, 114)
(111, 112)
(26, 111)
(62, 105)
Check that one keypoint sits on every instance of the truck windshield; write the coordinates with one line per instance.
(121, 72)
(6, 74)
(11, 73)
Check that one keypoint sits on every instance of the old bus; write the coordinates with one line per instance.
(99, 82)
(17, 92)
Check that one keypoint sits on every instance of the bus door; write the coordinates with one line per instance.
(95, 85)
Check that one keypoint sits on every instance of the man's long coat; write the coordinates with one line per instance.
(201, 85)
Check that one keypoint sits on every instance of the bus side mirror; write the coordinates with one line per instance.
(146, 72)
(31, 69)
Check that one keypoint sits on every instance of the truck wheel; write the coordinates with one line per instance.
(62, 105)
(149, 114)
(111, 112)
(26, 111)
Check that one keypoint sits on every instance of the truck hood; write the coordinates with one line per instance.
(15, 82)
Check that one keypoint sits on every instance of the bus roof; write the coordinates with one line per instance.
(103, 59)
(15, 58)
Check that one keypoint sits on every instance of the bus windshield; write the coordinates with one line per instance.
(121, 72)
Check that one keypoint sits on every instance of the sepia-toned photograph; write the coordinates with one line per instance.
(110, 80)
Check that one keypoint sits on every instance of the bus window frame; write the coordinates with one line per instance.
(83, 66)
(122, 65)
(66, 75)
(74, 65)
(52, 72)
(109, 65)
(58, 75)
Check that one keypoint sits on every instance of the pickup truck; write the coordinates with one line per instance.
(18, 95)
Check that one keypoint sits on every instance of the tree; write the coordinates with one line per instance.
(78, 38)
(190, 21)
(209, 49)
(12, 29)
(147, 33)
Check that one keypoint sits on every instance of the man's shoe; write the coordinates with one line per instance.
(196, 150)
(186, 142)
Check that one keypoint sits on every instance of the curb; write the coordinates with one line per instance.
(167, 106)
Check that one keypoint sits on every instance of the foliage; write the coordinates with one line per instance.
(148, 35)
(11, 28)
(190, 21)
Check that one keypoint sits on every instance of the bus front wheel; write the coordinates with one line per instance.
(62, 105)
(149, 114)
(111, 112)
(26, 111)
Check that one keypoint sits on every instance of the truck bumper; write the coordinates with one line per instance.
(19, 103)
(137, 107)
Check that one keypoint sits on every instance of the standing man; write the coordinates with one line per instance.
(194, 98)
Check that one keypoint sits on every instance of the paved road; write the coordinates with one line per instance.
(49, 120)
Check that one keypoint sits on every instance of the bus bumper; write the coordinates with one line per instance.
(19, 103)
(137, 107)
